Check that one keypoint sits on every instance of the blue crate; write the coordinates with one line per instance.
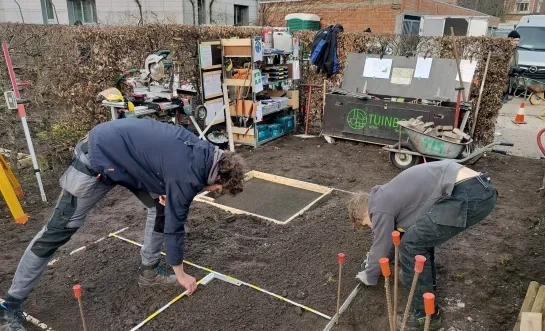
(286, 122)
(263, 132)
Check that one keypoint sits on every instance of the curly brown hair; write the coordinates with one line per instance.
(231, 172)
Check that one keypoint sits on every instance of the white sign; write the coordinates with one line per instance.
(402, 76)
(258, 82)
(259, 113)
(467, 68)
(377, 68)
(258, 49)
(11, 101)
(206, 56)
(423, 67)
(211, 84)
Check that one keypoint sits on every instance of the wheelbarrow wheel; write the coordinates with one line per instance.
(201, 112)
(536, 98)
(402, 160)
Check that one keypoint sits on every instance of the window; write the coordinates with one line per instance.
(523, 7)
(241, 15)
(411, 25)
(83, 11)
(48, 11)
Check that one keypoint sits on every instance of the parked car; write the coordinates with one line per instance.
(531, 48)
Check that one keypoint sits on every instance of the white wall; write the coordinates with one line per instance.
(223, 11)
(121, 12)
(125, 12)
(32, 11)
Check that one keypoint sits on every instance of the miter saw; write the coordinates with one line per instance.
(158, 84)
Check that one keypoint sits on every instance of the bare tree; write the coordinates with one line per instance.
(20, 11)
(496, 8)
(139, 4)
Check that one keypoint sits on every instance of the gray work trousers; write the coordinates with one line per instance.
(69, 215)
(470, 202)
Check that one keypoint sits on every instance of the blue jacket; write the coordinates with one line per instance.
(151, 156)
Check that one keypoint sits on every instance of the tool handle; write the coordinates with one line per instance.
(77, 291)
(385, 266)
(429, 303)
(396, 238)
(419, 263)
(507, 144)
(341, 258)
(497, 151)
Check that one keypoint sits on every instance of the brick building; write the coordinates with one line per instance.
(515, 9)
(381, 16)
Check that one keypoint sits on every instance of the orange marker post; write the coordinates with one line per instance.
(396, 238)
(77, 294)
(341, 262)
(418, 268)
(429, 307)
(385, 267)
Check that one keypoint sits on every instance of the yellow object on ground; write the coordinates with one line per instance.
(11, 189)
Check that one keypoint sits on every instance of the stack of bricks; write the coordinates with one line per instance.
(445, 132)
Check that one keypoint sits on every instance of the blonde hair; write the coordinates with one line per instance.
(358, 206)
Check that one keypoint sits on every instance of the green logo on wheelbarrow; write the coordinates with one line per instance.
(356, 119)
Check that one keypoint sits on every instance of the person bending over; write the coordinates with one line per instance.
(143, 155)
(428, 204)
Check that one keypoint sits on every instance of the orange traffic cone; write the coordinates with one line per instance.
(519, 119)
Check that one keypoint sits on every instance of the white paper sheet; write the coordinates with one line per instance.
(377, 68)
(467, 68)
(213, 108)
(402, 76)
(206, 55)
(423, 67)
(296, 69)
(259, 113)
(211, 84)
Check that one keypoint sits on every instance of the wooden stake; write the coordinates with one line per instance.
(385, 267)
(418, 268)
(458, 63)
(475, 116)
(77, 294)
(323, 98)
(396, 238)
(341, 261)
(429, 307)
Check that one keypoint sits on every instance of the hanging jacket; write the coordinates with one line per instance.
(324, 50)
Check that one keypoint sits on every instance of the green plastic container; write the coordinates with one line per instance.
(300, 21)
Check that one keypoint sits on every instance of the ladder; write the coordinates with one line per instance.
(11, 189)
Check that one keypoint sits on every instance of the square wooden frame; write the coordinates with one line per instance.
(324, 190)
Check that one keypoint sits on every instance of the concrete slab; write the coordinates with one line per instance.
(524, 136)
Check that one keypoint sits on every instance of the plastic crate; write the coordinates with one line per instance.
(286, 122)
(302, 21)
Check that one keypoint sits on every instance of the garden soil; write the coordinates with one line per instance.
(483, 273)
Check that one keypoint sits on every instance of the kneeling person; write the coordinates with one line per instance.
(429, 204)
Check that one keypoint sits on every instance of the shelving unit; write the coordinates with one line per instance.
(253, 122)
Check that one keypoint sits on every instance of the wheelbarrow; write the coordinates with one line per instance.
(537, 88)
(421, 146)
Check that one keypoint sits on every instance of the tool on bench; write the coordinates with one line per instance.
(77, 294)
(385, 268)
(419, 261)
(341, 262)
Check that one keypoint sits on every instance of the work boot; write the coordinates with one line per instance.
(11, 317)
(417, 319)
(152, 275)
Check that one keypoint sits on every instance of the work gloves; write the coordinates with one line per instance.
(362, 275)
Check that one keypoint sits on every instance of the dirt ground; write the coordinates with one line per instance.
(483, 273)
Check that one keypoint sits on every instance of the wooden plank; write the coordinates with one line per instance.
(292, 182)
(211, 42)
(539, 301)
(527, 303)
(236, 211)
(217, 66)
(215, 72)
(238, 82)
(531, 322)
(307, 207)
(239, 130)
(236, 42)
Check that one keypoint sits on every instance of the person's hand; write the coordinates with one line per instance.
(162, 199)
(362, 276)
(188, 282)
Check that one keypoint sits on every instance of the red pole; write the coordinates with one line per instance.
(457, 114)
